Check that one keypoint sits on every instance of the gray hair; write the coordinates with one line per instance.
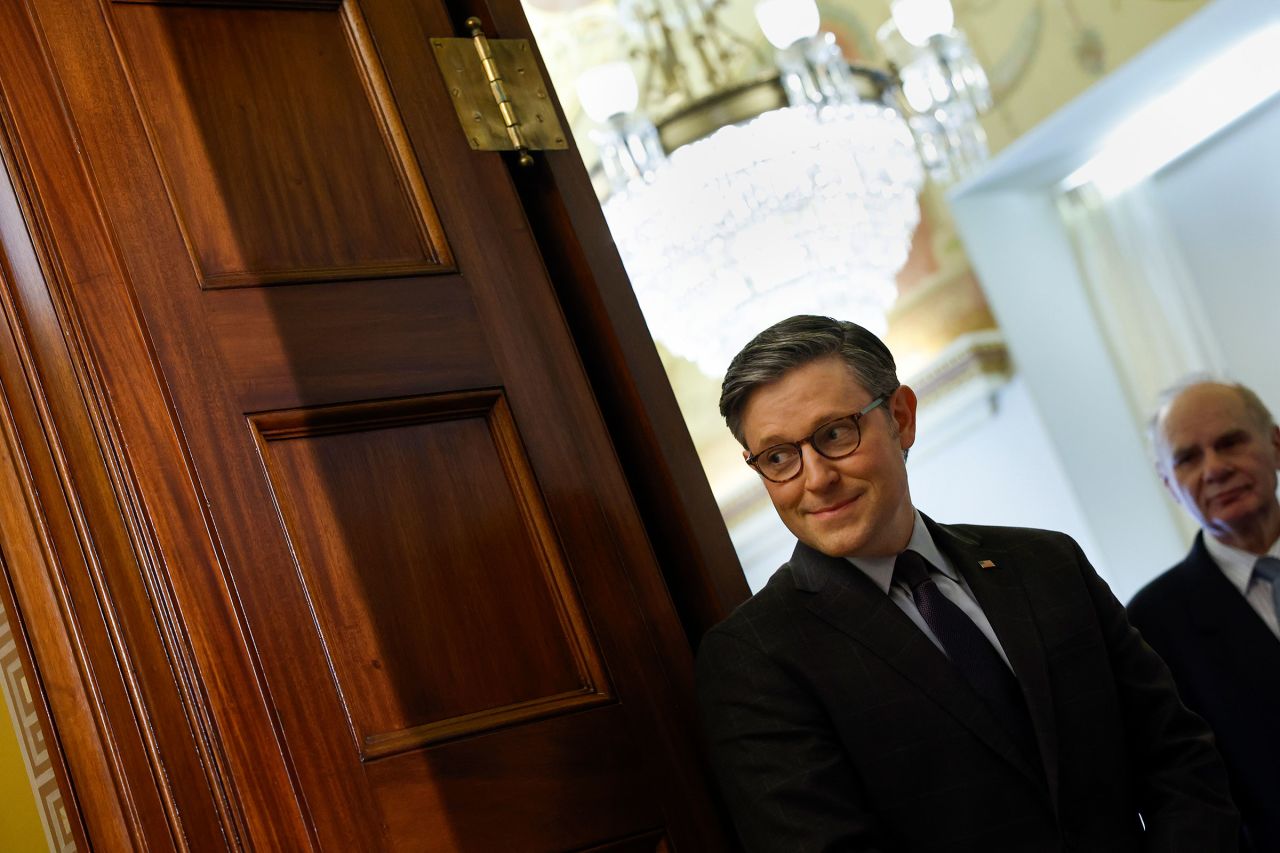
(1254, 408)
(797, 341)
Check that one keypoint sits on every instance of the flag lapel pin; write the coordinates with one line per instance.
(986, 564)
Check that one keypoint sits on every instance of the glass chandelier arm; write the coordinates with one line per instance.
(630, 150)
(687, 51)
(942, 89)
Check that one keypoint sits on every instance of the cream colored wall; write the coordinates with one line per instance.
(1059, 327)
(1039, 55)
(1042, 53)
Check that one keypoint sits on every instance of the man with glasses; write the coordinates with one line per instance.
(902, 685)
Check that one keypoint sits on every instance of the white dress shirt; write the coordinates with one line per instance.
(949, 581)
(1237, 565)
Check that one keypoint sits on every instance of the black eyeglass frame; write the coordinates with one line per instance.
(857, 417)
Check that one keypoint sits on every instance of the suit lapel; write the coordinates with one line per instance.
(994, 578)
(1222, 616)
(849, 601)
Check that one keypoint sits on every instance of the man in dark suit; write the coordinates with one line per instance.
(902, 685)
(1212, 617)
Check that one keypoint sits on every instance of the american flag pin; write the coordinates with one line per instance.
(986, 564)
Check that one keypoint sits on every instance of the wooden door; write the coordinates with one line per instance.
(377, 580)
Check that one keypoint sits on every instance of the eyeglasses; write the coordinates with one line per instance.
(833, 440)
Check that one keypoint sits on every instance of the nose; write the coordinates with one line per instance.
(819, 471)
(1216, 466)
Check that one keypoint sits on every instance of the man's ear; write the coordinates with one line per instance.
(1164, 469)
(1275, 445)
(902, 408)
(1160, 456)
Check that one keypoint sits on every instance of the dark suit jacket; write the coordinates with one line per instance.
(1227, 666)
(834, 724)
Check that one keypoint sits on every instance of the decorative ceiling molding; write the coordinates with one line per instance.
(975, 362)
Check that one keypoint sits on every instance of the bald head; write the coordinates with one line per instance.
(1217, 450)
(1199, 394)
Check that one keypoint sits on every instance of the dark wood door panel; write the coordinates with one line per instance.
(431, 568)
(282, 153)
(565, 784)
(289, 346)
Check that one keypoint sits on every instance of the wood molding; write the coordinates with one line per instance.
(590, 684)
(28, 699)
(56, 572)
(169, 774)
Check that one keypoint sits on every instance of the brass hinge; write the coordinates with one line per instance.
(499, 94)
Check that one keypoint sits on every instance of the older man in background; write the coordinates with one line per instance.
(1213, 617)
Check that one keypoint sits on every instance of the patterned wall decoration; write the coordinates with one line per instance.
(40, 782)
(1039, 54)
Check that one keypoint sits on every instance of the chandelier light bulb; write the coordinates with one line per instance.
(785, 22)
(919, 20)
(916, 90)
(608, 90)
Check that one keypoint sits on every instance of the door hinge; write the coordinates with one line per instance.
(498, 93)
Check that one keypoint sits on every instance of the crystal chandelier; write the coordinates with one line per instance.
(943, 86)
(790, 186)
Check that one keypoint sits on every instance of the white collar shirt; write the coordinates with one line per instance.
(950, 582)
(1237, 566)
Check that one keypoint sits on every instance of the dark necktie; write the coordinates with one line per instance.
(970, 651)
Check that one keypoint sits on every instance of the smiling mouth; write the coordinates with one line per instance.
(831, 510)
(1228, 496)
